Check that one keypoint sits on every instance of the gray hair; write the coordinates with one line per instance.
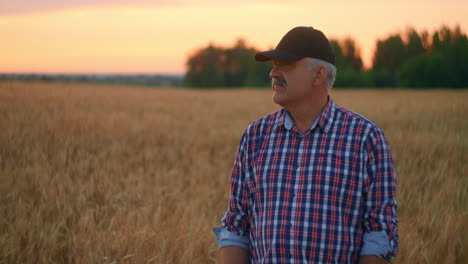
(331, 70)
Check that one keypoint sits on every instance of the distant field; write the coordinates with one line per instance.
(108, 174)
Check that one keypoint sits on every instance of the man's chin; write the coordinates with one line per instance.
(278, 99)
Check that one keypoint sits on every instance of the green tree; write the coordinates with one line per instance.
(415, 44)
(389, 54)
(445, 64)
(205, 67)
(236, 65)
(349, 64)
(226, 67)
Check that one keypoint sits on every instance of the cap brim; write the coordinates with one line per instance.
(277, 55)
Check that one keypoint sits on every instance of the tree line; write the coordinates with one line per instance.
(408, 59)
(150, 80)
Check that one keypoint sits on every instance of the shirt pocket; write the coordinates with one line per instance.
(335, 179)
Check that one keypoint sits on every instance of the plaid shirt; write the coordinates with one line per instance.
(323, 196)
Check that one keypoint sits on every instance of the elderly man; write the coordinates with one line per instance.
(313, 182)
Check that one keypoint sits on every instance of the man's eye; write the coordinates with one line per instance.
(282, 64)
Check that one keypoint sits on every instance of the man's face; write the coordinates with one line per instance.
(291, 82)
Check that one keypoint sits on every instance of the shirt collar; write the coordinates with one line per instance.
(324, 121)
(326, 118)
(288, 123)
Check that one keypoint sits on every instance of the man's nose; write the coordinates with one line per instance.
(274, 73)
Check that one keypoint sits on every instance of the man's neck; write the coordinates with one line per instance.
(304, 115)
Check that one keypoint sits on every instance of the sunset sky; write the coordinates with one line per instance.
(156, 36)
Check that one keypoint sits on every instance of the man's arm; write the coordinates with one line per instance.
(380, 238)
(372, 260)
(233, 236)
(234, 248)
(234, 255)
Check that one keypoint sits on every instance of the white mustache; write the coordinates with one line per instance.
(280, 82)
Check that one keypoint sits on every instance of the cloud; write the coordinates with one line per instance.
(12, 7)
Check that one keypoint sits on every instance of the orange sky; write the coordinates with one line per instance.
(156, 36)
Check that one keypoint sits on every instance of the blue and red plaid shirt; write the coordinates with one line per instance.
(323, 196)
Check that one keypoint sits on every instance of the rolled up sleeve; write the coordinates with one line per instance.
(236, 222)
(226, 238)
(380, 236)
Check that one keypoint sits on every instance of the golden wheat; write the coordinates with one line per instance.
(109, 174)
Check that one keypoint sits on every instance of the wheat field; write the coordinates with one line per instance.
(114, 174)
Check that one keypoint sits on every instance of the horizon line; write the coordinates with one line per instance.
(89, 73)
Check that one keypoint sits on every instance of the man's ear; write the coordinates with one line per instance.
(320, 76)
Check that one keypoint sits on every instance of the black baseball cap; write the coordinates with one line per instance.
(298, 43)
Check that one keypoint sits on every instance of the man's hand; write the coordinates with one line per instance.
(372, 260)
(234, 255)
